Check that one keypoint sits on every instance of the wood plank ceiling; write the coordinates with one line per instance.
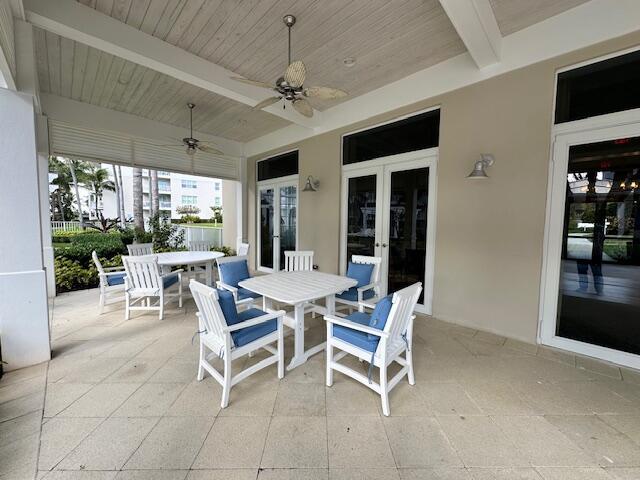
(389, 40)
(514, 15)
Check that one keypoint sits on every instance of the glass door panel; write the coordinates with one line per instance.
(267, 210)
(288, 221)
(361, 216)
(599, 298)
(407, 222)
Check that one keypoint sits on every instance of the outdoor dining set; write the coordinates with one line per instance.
(359, 320)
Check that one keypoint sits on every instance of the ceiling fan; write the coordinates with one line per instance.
(194, 144)
(290, 86)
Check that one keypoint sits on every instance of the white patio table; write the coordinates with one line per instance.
(173, 259)
(298, 288)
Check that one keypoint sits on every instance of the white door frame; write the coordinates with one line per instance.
(587, 131)
(383, 167)
(276, 184)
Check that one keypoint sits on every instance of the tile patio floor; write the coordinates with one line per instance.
(121, 402)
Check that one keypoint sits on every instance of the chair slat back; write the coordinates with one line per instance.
(376, 262)
(137, 249)
(242, 249)
(298, 260)
(143, 272)
(404, 302)
(200, 246)
(234, 258)
(96, 260)
(211, 315)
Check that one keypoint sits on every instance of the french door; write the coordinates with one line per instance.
(277, 222)
(591, 280)
(388, 211)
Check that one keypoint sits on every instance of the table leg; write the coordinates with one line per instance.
(209, 273)
(298, 330)
(330, 304)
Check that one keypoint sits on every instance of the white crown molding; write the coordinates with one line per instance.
(590, 23)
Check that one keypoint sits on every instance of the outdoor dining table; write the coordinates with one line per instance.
(174, 259)
(298, 289)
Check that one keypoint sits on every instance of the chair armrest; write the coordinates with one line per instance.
(114, 269)
(231, 289)
(355, 326)
(367, 287)
(254, 321)
(171, 274)
(110, 274)
(364, 305)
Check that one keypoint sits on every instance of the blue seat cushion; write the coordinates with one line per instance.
(234, 272)
(352, 294)
(243, 293)
(228, 307)
(249, 334)
(117, 279)
(360, 272)
(354, 337)
(168, 281)
(380, 314)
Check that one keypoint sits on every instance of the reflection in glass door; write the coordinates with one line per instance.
(361, 215)
(267, 211)
(287, 220)
(407, 228)
(599, 301)
(278, 223)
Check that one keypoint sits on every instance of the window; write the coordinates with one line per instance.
(216, 186)
(164, 185)
(189, 200)
(608, 86)
(218, 201)
(409, 134)
(189, 184)
(278, 166)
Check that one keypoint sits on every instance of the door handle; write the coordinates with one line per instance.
(384, 245)
(377, 244)
(275, 236)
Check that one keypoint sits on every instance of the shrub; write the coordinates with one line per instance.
(228, 251)
(190, 218)
(81, 246)
(165, 235)
(71, 275)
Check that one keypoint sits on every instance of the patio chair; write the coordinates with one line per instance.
(144, 282)
(379, 338)
(242, 249)
(298, 260)
(366, 270)
(229, 335)
(137, 249)
(111, 283)
(231, 271)
(198, 246)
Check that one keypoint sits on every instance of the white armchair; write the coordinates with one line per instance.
(231, 271)
(137, 249)
(111, 283)
(380, 339)
(229, 335)
(144, 282)
(369, 291)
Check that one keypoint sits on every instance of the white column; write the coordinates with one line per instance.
(24, 324)
(229, 209)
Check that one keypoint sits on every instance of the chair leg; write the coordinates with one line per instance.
(384, 391)
(127, 310)
(202, 360)
(161, 306)
(280, 349)
(411, 377)
(101, 301)
(180, 293)
(227, 382)
(329, 347)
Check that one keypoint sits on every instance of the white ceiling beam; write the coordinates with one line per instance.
(79, 113)
(555, 36)
(476, 25)
(75, 21)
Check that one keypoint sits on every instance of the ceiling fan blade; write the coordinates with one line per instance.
(266, 102)
(209, 149)
(303, 107)
(295, 74)
(325, 93)
(255, 83)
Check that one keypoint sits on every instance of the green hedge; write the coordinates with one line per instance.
(81, 246)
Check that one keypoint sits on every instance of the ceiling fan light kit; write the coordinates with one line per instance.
(290, 86)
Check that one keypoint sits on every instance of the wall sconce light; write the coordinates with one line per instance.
(486, 160)
(311, 185)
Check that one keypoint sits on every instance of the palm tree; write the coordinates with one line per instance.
(61, 196)
(97, 180)
(121, 213)
(138, 215)
(155, 198)
(78, 169)
(118, 188)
